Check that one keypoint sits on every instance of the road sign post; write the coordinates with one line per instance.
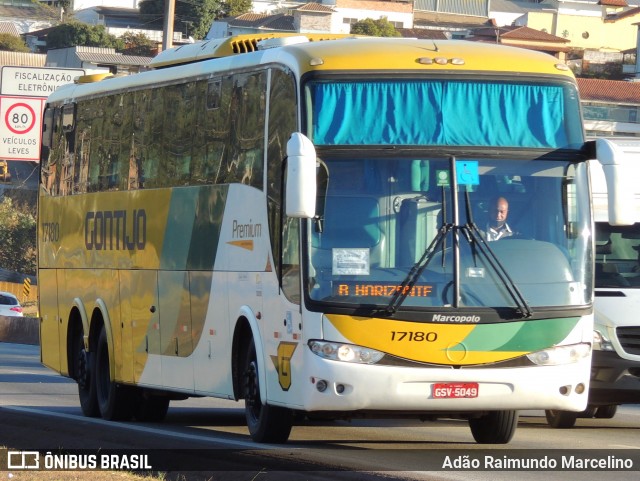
(23, 91)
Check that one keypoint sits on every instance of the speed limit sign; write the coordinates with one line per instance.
(19, 118)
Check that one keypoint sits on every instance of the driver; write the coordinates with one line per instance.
(497, 227)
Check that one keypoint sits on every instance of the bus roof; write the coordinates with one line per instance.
(369, 52)
(335, 53)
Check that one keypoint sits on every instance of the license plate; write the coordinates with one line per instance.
(455, 390)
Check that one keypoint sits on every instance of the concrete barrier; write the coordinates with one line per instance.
(20, 330)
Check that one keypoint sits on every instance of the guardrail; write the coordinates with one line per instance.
(20, 330)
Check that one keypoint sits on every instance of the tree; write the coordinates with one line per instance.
(375, 28)
(12, 43)
(17, 237)
(139, 44)
(198, 13)
(74, 33)
(233, 8)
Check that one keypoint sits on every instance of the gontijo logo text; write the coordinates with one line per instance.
(115, 230)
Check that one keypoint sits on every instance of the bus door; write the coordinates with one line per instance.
(176, 345)
(141, 329)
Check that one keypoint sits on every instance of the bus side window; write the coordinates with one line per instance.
(50, 164)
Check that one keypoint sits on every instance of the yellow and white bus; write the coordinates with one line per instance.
(298, 221)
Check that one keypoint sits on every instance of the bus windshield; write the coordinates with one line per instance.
(390, 225)
(617, 256)
(445, 112)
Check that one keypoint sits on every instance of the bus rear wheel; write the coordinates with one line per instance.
(114, 400)
(267, 424)
(495, 427)
(83, 373)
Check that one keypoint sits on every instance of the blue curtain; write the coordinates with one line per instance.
(458, 113)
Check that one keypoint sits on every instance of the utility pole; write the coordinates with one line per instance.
(169, 13)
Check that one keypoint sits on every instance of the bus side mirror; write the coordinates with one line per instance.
(301, 177)
(617, 159)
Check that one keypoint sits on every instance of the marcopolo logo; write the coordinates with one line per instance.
(472, 319)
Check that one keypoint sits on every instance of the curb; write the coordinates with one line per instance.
(20, 330)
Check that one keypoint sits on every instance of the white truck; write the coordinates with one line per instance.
(615, 370)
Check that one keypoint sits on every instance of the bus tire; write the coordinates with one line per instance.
(267, 424)
(606, 412)
(149, 407)
(561, 419)
(115, 401)
(495, 427)
(82, 362)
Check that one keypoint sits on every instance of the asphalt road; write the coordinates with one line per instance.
(205, 438)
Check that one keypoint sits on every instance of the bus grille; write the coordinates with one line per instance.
(629, 338)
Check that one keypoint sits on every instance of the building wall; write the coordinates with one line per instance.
(399, 12)
(620, 35)
(311, 22)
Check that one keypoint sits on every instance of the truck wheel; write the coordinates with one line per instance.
(606, 412)
(561, 419)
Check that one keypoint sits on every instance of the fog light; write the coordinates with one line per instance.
(321, 385)
(580, 388)
(340, 388)
(565, 390)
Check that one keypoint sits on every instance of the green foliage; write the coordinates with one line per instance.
(17, 237)
(233, 8)
(199, 14)
(375, 28)
(72, 34)
(138, 44)
(12, 43)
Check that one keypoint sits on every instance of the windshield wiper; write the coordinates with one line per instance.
(416, 271)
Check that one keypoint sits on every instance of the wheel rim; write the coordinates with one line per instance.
(252, 393)
(82, 369)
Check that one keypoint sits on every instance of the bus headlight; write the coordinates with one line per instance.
(345, 352)
(560, 355)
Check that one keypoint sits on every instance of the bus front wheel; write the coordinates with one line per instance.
(495, 427)
(561, 419)
(115, 401)
(267, 424)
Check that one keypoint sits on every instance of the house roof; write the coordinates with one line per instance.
(445, 20)
(614, 17)
(519, 33)
(610, 91)
(30, 12)
(315, 7)
(102, 55)
(20, 59)
(262, 20)
(423, 33)
(613, 3)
